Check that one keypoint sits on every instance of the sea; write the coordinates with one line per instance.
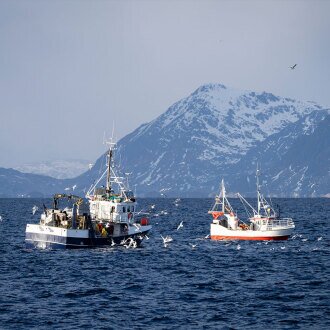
(193, 283)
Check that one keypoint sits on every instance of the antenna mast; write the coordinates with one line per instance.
(223, 192)
(108, 186)
(258, 188)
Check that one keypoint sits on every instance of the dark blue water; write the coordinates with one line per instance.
(217, 285)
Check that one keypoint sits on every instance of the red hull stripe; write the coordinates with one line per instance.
(247, 238)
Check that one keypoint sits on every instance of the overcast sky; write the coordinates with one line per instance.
(71, 68)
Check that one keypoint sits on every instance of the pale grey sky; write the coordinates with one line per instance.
(71, 68)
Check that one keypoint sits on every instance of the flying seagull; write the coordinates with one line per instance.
(35, 208)
(166, 240)
(180, 225)
(293, 67)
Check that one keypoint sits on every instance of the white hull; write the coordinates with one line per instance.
(44, 236)
(219, 232)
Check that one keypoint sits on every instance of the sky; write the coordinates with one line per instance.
(72, 70)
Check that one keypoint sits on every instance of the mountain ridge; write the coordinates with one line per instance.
(216, 132)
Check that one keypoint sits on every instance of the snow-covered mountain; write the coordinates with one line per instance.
(221, 132)
(59, 169)
(203, 137)
(295, 162)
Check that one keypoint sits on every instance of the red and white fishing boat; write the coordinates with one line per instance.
(264, 224)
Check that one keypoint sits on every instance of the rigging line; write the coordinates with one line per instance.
(244, 204)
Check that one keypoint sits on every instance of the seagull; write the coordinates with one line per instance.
(180, 225)
(136, 226)
(293, 67)
(152, 206)
(123, 242)
(66, 189)
(74, 187)
(166, 240)
(35, 208)
(113, 242)
(131, 243)
(192, 245)
(207, 236)
(238, 247)
(320, 238)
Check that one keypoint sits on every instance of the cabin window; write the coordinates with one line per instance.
(128, 209)
(112, 209)
(132, 209)
(124, 209)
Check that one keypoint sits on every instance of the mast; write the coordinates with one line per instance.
(223, 192)
(258, 188)
(108, 183)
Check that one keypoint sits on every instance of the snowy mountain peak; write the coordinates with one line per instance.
(209, 88)
(206, 132)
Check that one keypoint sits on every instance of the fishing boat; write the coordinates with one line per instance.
(105, 218)
(264, 223)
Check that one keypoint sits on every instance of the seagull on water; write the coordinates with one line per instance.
(180, 225)
(192, 245)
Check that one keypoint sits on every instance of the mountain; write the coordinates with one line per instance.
(59, 169)
(222, 132)
(295, 161)
(16, 184)
(208, 135)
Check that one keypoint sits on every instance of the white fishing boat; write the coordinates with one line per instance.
(264, 223)
(108, 217)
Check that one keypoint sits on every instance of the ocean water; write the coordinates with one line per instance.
(215, 285)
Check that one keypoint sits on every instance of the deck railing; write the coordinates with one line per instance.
(280, 223)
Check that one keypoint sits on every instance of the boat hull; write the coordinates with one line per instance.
(48, 237)
(219, 232)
